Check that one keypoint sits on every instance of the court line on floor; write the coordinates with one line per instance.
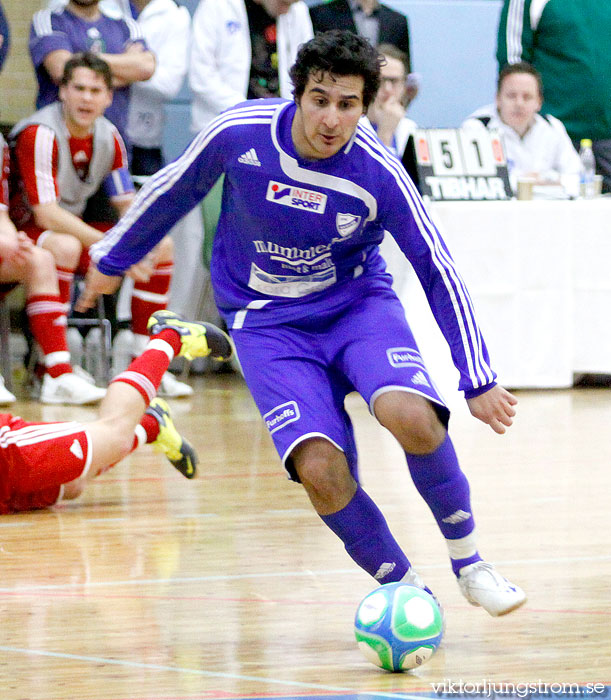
(198, 672)
(277, 574)
(20, 593)
(182, 579)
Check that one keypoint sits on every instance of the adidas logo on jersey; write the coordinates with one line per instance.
(250, 158)
(420, 379)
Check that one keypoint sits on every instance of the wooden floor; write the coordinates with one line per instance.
(154, 587)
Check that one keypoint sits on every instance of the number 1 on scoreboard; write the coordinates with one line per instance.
(477, 152)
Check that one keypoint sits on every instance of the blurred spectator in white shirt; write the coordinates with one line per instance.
(167, 29)
(228, 47)
(537, 146)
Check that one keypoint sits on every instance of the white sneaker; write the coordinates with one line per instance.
(482, 585)
(5, 395)
(83, 374)
(171, 388)
(69, 389)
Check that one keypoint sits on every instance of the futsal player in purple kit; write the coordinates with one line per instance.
(298, 277)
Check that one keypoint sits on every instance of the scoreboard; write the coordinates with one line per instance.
(458, 164)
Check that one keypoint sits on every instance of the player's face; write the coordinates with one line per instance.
(327, 114)
(518, 100)
(392, 81)
(275, 8)
(85, 98)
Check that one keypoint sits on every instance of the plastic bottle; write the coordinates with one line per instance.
(75, 346)
(588, 168)
(122, 351)
(92, 353)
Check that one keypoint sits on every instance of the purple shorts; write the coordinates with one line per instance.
(299, 373)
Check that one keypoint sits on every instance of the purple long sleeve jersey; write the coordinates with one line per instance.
(297, 236)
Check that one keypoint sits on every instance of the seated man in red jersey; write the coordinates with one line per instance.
(61, 156)
(21, 261)
(41, 463)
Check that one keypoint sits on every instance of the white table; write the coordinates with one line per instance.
(539, 276)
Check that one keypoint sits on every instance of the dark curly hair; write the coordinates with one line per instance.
(338, 52)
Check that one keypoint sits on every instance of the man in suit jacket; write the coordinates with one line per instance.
(374, 21)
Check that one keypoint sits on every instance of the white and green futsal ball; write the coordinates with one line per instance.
(398, 626)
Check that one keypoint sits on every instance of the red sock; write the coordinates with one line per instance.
(150, 427)
(150, 296)
(146, 371)
(47, 318)
(65, 277)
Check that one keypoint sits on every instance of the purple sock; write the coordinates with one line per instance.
(363, 530)
(445, 488)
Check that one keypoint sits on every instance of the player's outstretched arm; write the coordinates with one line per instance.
(495, 408)
(96, 283)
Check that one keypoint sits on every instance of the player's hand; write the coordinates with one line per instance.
(142, 271)
(96, 283)
(495, 408)
(386, 112)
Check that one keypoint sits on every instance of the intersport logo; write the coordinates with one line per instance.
(296, 197)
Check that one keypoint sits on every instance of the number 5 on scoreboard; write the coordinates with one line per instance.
(445, 152)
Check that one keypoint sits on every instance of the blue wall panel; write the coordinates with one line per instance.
(453, 46)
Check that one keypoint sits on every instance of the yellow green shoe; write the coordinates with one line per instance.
(169, 441)
(199, 339)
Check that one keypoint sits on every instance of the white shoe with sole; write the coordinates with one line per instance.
(481, 584)
(6, 396)
(69, 389)
(171, 388)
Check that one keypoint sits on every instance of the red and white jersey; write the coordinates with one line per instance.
(35, 164)
(36, 459)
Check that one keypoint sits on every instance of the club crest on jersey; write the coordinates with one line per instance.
(347, 223)
(296, 197)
